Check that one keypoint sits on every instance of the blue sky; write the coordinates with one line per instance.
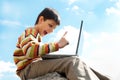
(100, 40)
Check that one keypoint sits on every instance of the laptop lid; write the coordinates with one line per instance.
(79, 37)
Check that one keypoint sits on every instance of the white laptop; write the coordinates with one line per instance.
(55, 56)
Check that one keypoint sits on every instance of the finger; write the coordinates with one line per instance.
(64, 34)
(67, 43)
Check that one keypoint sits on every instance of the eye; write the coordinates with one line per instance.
(50, 25)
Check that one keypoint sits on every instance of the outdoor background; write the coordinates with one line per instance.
(100, 40)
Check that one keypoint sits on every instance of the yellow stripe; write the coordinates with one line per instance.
(33, 32)
(43, 49)
(53, 47)
(32, 51)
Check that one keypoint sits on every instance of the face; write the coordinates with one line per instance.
(46, 27)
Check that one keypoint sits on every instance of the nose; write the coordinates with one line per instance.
(50, 30)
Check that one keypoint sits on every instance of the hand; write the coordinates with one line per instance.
(63, 42)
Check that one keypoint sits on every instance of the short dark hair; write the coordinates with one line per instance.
(49, 13)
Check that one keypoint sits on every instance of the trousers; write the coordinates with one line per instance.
(73, 68)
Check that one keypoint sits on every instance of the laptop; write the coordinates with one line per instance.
(56, 56)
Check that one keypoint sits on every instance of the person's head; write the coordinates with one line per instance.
(49, 13)
(47, 21)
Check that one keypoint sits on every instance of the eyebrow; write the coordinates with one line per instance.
(53, 25)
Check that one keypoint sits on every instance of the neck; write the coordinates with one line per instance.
(37, 28)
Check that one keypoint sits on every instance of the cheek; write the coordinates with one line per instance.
(49, 30)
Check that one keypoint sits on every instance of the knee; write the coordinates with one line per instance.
(76, 61)
(72, 60)
(75, 58)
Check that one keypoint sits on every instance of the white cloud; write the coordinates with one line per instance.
(71, 1)
(101, 51)
(7, 67)
(118, 4)
(10, 23)
(114, 10)
(75, 9)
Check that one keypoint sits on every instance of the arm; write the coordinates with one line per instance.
(31, 47)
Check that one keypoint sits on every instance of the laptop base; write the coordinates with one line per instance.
(55, 56)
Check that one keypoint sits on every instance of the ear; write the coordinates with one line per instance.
(41, 19)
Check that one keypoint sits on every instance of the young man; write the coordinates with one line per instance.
(29, 52)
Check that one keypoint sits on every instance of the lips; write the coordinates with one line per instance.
(45, 32)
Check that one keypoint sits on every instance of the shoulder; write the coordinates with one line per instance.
(31, 31)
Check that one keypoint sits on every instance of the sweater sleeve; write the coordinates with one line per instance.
(32, 48)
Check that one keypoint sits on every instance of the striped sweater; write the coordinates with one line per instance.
(29, 48)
